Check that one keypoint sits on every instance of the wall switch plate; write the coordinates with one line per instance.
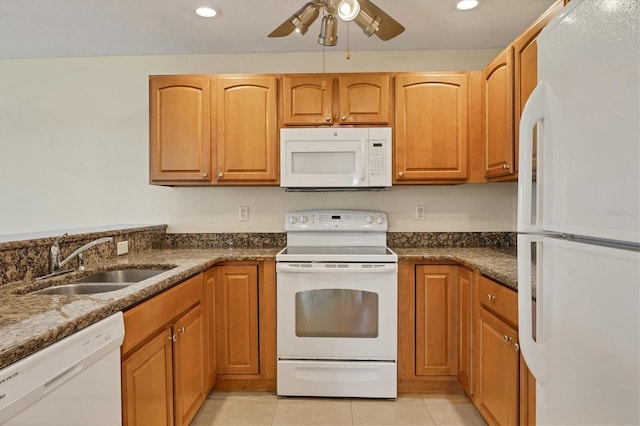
(122, 247)
(421, 212)
(243, 213)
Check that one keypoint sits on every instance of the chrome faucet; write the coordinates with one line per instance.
(54, 254)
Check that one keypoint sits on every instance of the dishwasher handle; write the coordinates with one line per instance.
(337, 268)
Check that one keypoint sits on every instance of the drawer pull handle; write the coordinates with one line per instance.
(491, 297)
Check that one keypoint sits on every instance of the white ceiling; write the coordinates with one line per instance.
(70, 28)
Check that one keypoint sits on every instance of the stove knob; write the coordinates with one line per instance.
(368, 219)
(292, 219)
(380, 220)
(303, 219)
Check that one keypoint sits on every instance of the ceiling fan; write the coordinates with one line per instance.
(364, 13)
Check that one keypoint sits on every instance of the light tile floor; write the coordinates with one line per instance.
(249, 408)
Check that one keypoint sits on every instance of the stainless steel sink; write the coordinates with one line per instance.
(120, 276)
(82, 288)
(103, 282)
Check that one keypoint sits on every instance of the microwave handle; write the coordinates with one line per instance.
(361, 165)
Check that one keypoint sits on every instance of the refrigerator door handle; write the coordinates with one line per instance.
(532, 350)
(533, 112)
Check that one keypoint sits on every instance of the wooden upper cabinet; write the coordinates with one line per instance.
(307, 99)
(246, 129)
(431, 127)
(179, 128)
(525, 60)
(326, 99)
(498, 116)
(364, 99)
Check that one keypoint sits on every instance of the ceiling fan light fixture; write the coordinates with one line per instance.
(304, 17)
(348, 9)
(368, 21)
(328, 31)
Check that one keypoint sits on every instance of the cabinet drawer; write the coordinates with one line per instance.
(498, 299)
(145, 319)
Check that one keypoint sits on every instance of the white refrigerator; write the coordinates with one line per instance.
(579, 217)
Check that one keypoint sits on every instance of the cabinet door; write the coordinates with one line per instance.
(147, 383)
(525, 62)
(436, 320)
(465, 315)
(306, 99)
(237, 320)
(208, 304)
(364, 99)
(179, 128)
(498, 116)
(246, 129)
(527, 395)
(431, 128)
(499, 368)
(189, 365)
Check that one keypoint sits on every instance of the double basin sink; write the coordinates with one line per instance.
(103, 282)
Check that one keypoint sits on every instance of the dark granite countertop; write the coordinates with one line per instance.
(30, 322)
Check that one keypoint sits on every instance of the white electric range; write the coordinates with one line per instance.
(337, 287)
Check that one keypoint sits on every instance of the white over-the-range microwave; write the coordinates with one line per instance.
(330, 158)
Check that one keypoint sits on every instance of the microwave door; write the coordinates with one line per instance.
(326, 164)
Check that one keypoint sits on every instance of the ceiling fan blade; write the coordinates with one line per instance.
(389, 27)
(283, 30)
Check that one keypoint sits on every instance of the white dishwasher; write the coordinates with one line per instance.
(75, 381)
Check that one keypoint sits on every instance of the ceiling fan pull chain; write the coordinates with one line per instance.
(348, 42)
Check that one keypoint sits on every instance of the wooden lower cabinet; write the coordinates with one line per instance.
(245, 327)
(498, 383)
(427, 327)
(147, 383)
(238, 342)
(163, 357)
(465, 328)
(436, 320)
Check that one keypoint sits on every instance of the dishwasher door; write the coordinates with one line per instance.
(75, 381)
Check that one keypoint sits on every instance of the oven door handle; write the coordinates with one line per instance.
(337, 268)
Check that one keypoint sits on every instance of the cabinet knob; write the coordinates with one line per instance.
(516, 347)
(327, 118)
(400, 174)
(220, 174)
(505, 167)
(181, 330)
(205, 175)
(172, 337)
(491, 297)
(344, 118)
(507, 339)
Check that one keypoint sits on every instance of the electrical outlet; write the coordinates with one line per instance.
(243, 213)
(122, 247)
(421, 212)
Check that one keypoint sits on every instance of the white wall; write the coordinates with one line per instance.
(74, 150)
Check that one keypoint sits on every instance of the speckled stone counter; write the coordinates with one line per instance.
(29, 322)
(499, 265)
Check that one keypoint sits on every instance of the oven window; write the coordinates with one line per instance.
(336, 313)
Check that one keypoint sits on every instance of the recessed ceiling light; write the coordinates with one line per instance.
(467, 4)
(206, 12)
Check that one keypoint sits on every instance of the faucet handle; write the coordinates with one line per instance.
(60, 238)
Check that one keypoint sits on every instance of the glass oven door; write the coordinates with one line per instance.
(337, 311)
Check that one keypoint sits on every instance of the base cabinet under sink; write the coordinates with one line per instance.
(163, 357)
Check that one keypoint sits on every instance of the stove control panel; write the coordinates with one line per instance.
(336, 220)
